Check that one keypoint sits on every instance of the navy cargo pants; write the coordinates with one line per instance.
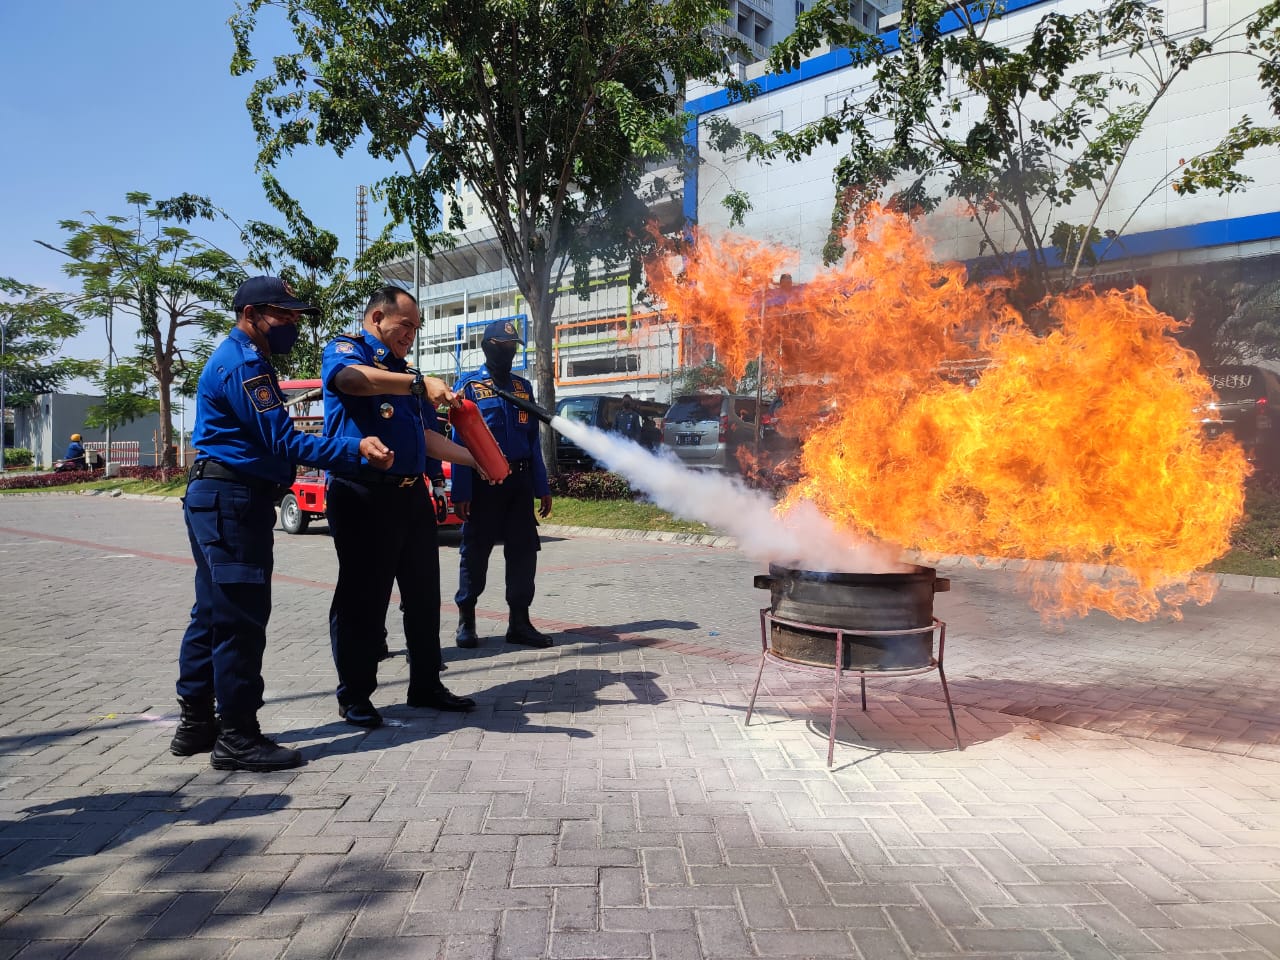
(230, 529)
(503, 512)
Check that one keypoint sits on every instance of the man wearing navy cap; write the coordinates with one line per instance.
(384, 524)
(504, 511)
(248, 449)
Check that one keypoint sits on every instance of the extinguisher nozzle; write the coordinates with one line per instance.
(525, 405)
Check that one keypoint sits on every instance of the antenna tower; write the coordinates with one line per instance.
(362, 225)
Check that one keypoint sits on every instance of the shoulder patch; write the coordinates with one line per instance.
(344, 346)
(262, 393)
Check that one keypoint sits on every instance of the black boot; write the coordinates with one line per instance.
(197, 729)
(466, 635)
(241, 746)
(521, 631)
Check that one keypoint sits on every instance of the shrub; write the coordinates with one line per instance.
(593, 485)
(1258, 533)
(39, 481)
(18, 457)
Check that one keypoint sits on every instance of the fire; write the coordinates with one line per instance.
(933, 417)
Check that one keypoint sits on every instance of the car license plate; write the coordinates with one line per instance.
(688, 439)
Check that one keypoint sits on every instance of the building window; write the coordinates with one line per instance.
(604, 366)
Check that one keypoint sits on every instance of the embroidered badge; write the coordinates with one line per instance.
(263, 393)
(344, 347)
(482, 393)
(509, 328)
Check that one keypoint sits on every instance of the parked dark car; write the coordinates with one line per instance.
(599, 410)
(1248, 408)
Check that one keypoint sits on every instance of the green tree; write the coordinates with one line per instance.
(151, 267)
(128, 387)
(548, 110)
(1032, 137)
(36, 323)
(307, 256)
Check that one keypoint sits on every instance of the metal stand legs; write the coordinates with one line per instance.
(935, 663)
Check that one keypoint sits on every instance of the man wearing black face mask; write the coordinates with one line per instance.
(503, 511)
(248, 448)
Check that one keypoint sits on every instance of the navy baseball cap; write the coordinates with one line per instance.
(502, 331)
(269, 291)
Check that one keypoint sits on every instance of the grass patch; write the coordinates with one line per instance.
(620, 515)
(170, 488)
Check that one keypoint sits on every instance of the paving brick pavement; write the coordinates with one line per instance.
(1118, 795)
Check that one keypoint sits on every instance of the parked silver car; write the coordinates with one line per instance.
(707, 430)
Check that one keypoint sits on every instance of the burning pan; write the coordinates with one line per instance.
(866, 602)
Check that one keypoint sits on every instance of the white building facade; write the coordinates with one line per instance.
(612, 343)
(792, 202)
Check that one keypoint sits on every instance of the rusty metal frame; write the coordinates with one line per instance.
(766, 655)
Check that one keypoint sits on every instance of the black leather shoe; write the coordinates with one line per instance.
(520, 630)
(361, 715)
(439, 699)
(245, 748)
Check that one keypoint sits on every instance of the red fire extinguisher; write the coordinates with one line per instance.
(478, 438)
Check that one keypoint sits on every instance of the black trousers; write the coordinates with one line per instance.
(383, 533)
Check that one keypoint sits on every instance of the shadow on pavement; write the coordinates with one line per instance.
(513, 707)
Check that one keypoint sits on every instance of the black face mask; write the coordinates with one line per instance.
(498, 357)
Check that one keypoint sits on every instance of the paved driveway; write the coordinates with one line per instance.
(1117, 795)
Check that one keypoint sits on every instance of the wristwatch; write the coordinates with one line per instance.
(417, 387)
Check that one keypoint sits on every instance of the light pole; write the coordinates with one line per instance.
(4, 330)
(106, 460)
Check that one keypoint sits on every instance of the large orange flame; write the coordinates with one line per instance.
(934, 418)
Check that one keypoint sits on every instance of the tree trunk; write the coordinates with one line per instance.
(166, 459)
(540, 324)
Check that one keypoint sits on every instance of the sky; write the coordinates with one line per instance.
(102, 97)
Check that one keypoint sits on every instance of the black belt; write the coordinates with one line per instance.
(387, 479)
(520, 466)
(213, 470)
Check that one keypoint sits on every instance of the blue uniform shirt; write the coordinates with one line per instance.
(398, 421)
(242, 422)
(515, 430)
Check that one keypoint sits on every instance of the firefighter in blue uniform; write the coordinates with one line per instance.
(248, 448)
(504, 511)
(384, 524)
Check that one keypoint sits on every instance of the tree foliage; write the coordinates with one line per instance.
(548, 110)
(1030, 137)
(36, 325)
(306, 255)
(151, 267)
